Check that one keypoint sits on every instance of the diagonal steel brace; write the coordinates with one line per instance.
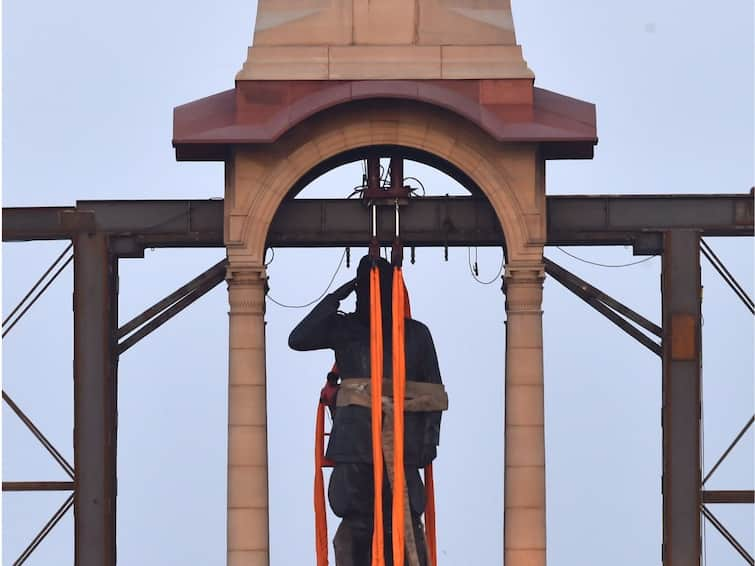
(613, 310)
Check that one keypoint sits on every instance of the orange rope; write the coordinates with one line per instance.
(376, 390)
(432, 542)
(399, 389)
(321, 525)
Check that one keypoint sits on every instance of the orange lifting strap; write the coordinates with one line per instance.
(376, 400)
(401, 311)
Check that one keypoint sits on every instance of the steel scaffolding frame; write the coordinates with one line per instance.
(102, 232)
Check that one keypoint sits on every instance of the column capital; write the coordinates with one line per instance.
(528, 273)
(523, 286)
(247, 284)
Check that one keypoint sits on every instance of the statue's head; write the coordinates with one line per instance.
(363, 289)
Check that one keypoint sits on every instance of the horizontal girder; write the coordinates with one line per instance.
(431, 221)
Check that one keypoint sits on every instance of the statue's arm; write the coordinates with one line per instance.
(430, 368)
(315, 331)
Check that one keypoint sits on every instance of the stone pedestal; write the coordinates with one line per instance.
(524, 464)
(390, 39)
(247, 419)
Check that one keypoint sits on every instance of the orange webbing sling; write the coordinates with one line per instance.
(401, 311)
(431, 537)
(399, 389)
(376, 394)
(321, 525)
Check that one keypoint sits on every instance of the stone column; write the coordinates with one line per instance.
(248, 543)
(524, 466)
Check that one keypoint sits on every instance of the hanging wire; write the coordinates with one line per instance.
(412, 189)
(472, 269)
(605, 264)
(272, 257)
(325, 292)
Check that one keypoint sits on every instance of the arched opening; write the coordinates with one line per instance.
(446, 295)
(259, 179)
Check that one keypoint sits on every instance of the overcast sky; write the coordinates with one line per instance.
(88, 93)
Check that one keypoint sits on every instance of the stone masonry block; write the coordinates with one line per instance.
(388, 22)
(524, 405)
(528, 557)
(526, 487)
(314, 22)
(385, 62)
(248, 558)
(524, 330)
(247, 529)
(285, 62)
(524, 366)
(247, 330)
(247, 366)
(247, 487)
(525, 446)
(247, 446)
(524, 528)
(465, 22)
(247, 405)
(484, 62)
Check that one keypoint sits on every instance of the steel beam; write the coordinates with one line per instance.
(431, 221)
(95, 400)
(682, 475)
(729, 496)
(38, 485)
(621, 219)
(613, 310)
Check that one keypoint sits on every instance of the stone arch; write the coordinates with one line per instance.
(509, 175)
(260, 177)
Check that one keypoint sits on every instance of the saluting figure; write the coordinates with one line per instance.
(350, 491)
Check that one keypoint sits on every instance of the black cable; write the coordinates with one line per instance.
(272, 257)
(604, 264)
(471, 270)
(422, 186)
(325, 292)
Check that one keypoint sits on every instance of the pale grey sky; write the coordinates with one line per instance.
(88, 93)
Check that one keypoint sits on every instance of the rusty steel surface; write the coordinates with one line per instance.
(682, 355)
(103, 231)
(38, 485)
(430, 221)
(613, 310)
(161, 312)
(729, 496)
(95, 401)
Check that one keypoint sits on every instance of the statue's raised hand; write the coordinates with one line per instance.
(344, 290)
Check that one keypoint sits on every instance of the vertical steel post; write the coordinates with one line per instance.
(682, 355)
(95, 400)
